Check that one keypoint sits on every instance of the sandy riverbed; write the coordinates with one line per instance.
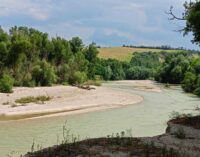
(69, 100)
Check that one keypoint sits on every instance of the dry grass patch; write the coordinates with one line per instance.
(31, 99)
(124, 53)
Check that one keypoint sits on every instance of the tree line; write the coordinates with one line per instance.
(181, 68)
(31, 58)
(162, 47)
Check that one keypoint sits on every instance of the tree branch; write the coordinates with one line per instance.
(173, 16)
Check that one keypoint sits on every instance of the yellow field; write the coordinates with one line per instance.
(124, 53)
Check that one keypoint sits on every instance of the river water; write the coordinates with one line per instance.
(144, 119)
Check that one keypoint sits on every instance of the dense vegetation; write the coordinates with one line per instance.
(30, 58)
(181, 68)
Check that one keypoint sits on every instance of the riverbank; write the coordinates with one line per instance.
(69, 100)
(168, 144)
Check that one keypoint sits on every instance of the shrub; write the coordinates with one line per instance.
(6, 84)
(78, 78)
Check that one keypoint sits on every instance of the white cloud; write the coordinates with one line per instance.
(68, 30)
(118, 33)
(39, 10)
(133, 21)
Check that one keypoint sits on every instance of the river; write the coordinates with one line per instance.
(144, 119)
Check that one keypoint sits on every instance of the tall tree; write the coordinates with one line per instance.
(192, 17)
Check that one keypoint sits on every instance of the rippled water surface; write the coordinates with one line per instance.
(145, 119)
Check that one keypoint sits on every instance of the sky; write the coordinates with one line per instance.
(105, 22)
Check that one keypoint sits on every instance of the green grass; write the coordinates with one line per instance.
(124, 53)
(31, 99)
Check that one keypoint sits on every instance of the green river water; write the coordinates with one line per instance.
(144, 119)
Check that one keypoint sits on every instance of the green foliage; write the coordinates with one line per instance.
(188, 83)
(31, 58)
(78, 78)
(143, 66)
(3, 53)
(117, 70)
(181, 68)
(76, 45)
(146, 59)
(192, 16)
(197, 87)
(139, 73)
(91, 55)
(174, 68)
(44, 74)
(107, 73)
(110, 69)
(63, 73)
(6, 84)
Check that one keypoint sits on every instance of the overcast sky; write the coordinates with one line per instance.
(106, 22)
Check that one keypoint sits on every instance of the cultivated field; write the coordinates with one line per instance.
(124, 53)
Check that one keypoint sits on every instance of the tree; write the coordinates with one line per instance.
(3, 36)
(192, 18)
(44, 74)
(3, 54)
(62, 52)
(188, 83)
(91, 55)
(197, 87)
(76, 44)
(6, 84)
(174, 68)
(138, 73)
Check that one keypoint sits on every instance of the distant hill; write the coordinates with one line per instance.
(125, 53)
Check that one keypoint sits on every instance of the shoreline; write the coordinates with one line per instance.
(63, 112)
(168, 144)
(68, 100)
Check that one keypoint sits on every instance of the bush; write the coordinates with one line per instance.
(6, 84)
(78, 78)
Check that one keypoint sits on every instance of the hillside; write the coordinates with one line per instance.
(124, 53)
